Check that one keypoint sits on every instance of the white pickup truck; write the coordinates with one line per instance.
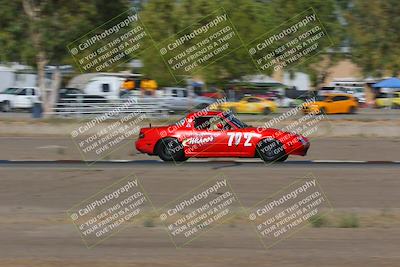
(19, 98)
(183, 99)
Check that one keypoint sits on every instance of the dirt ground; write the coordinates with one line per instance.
(35, 230)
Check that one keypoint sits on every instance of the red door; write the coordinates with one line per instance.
(241, 142)
(207, 138)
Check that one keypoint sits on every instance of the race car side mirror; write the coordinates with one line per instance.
(220, 126)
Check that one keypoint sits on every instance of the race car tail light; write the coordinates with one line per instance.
(302, 140)
(141, 135)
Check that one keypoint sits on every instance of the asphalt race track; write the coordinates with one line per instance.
(192, 163)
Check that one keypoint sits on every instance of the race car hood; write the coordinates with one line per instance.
(261, 130)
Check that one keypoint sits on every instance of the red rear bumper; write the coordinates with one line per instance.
(297, 146)
(144, 146)
(301, 151)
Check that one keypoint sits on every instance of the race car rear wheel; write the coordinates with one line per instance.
(267, 111)
(271, 150)
(352, 110)
(282, 159)
(170, 149)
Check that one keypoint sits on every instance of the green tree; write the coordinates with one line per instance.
(164, 19)
(252, 19)
(14, 44)
(328, 13)
(374, 33)
(53, 24)
(37, 32)
(161, 21)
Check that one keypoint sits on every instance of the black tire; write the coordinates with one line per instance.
(170, 149)
(267, 111)
(6, 106)
(322, 111)
(271, 150)
(282, 159)
(352, 110)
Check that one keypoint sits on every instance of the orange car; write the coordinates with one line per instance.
(332, 104)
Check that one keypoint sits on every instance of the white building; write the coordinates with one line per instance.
(16, 75)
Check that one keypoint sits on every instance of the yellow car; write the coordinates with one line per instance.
(387, 101)
(249, 104)
(332, 104)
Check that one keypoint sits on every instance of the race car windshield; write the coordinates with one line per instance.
(320, 98)
(181, 121)
(231, 117)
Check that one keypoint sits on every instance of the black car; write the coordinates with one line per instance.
(74, 99)
(75, 95)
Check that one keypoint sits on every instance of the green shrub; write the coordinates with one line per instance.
(148, 222)
(349, 221)
(318, 221)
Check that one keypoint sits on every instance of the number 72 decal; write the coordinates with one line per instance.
(237, 137)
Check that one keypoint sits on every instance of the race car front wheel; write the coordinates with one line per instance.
(170, 149)
(271, 150)
(6, 106)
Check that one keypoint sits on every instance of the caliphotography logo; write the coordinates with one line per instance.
(109, 211)
(290, 43)
(200, 210)
(289, 210)
(103, 134)
(113, 43)
(199, 45)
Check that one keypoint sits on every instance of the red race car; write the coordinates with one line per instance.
(209, 134)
